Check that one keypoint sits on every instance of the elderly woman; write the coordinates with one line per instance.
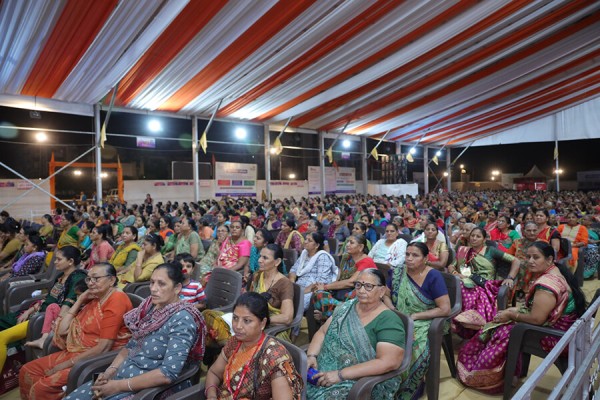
(314, 266)
(126, 253)
(167, 335)
(554, 299)
(419, 291)
(465, 233)
(147, 260)
(13, 326)
(94, 325)
(235, 249)
(476, 267)
(362, 338)
(577, 234)
(252, 365)
(289, 238)
(389, 250)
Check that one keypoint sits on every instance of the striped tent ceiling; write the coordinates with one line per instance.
(448, 71)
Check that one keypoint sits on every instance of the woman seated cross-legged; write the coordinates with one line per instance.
(418, 290)
(252, 365)
(167, 335)
(93, 325)
(362, 338)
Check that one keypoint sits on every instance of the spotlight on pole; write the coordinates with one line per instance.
(346, 144)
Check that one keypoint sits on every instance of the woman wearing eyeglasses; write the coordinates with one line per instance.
(13, 326)
(419, 291)
(94, 325)
(362, 338)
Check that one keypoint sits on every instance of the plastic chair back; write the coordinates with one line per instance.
(300, 362)
(290, 256)
(298, 313)
(206, 244)
(223, 289)
(135, 299)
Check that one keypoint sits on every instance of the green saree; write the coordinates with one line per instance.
(408, 299)
(346, 343)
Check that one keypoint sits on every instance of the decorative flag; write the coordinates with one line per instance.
(555, 152)
(336, 166)
(203, 142)
(103, 134)
(374, 153)
(277, 146)
(329, 154)
(409, 158)
(435, 160)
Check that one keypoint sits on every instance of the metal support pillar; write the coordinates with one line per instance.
(196, 167)
(98, 155)
(556, 167)
(365, 157)
(449, 169)
(267, 161)
(322, 162)
(425, 169)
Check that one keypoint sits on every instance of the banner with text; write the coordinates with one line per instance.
(235, 179)
(337, 180)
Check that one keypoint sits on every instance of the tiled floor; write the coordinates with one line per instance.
(450, 388)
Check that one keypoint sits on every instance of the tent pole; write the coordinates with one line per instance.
(365, 156)
(267, 139)
(322, 162)
(196, 169)
(449, 170)
(98, 154)
(425, 169)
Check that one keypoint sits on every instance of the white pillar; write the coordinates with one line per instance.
(195, 148)
(267, 160)
(365, 155)
(449, 168)
(322, 162)
(98, 155)
(425, 169)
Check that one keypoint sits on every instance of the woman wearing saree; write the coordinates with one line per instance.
(545, 232)
(327, 297)
(252, 365)
(577, 234)
(476, 267)
(13, 326)
(209, 261)
(419, 291)
(503, 235)
(491, 221)
(69, 236)
(554, 300)
(147, 260)
(126, 253)
(273, 285)
(167, 335)
(592, 253)
(235, 250)
(102, 250)
(188, 240)
(362, 338)
(519, 250)
(94, 325)
(438, 251)
(338, 229)
(262, 238)
(289, 238)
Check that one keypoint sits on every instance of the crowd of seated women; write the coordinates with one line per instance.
(488, 240)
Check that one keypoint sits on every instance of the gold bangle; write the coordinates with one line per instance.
(517, 317)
